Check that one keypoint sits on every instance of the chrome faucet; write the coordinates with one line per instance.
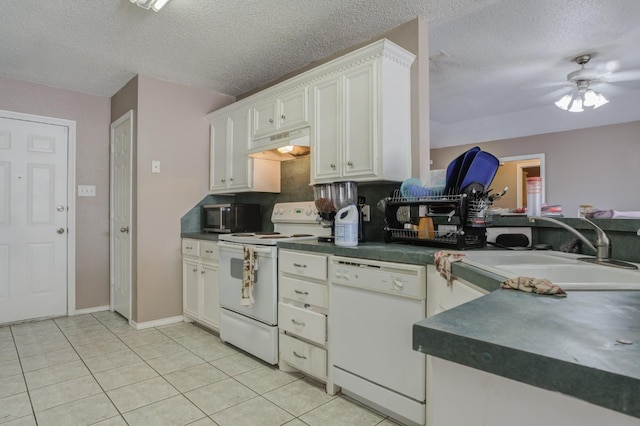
(602, 247)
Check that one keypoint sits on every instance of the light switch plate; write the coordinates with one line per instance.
(155, 166)
(86, 190)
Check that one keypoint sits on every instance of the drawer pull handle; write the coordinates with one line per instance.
(306, 293)
(208, 251)
(189, 248)
(195, 269)
(202, 272)
(299, 265)
(297, 322)
(297, 355)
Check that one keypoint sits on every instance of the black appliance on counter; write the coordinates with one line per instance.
(232, 217)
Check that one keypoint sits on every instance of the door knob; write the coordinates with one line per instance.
(60, 230)
(60, 208)
(124, 229)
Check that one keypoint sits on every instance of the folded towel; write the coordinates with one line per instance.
(534, 285)
(249, 269)
(443, 262)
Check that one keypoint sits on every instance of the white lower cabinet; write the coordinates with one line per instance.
(200, 282)
(303, 311)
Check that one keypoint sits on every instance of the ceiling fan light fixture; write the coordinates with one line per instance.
(590, 98)
(563, 102)
(576, 104)
(600, 100)
(582, 95)
(154, 5)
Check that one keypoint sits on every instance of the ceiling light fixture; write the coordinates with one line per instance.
(155, 5)
(582, 95)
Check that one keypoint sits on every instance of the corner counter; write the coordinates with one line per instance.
(576, 345)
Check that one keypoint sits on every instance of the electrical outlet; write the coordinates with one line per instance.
(366, 213)
(86, 190)
(155, 166)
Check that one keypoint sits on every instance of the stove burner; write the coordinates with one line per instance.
(301, 235)
(245, 234)
(266, 233)
(273, 237)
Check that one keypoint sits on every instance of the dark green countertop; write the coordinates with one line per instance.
(200, 236)
(401, 253)
(569, 345)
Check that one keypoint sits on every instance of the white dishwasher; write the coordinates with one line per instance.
(373, 308)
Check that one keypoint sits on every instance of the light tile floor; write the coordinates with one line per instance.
(95, 369)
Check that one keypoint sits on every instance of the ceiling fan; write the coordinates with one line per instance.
(582, 94)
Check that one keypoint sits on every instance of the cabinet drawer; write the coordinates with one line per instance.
(304, 323)
(190, 247)
(209, 250)
(304, 291)
(303, 264)
(302, 355)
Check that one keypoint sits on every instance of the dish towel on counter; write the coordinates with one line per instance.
(443, 262)
(249, 268)
(534, 285)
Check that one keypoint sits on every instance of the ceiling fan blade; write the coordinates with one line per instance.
(631, 75)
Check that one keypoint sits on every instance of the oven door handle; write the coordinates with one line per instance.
(239, 247)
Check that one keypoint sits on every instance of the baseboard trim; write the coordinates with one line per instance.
(156, 323)
(90, 310)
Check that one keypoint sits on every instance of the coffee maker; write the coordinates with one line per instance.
(333, 197)
(323, 197)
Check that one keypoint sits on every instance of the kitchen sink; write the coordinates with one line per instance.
(515, 257)
(560, 268)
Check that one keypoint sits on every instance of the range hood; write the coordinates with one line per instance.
(282, 146)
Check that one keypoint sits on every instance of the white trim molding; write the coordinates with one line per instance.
(156, 323)
(90, 310)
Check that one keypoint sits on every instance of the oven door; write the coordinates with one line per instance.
(265, 289)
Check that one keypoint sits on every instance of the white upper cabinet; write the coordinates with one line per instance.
(361, 116)
(279, 112)
(356, 110)
(231, 170)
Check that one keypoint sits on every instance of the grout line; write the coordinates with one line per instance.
(236, 351)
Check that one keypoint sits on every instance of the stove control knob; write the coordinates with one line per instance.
(308, 212)
(280, 210)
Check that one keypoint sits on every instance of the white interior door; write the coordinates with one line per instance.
(33, 219)
(121, 145)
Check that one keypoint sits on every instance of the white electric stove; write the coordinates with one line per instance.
(255, 328)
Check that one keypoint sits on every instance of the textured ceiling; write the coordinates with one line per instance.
(507, 57)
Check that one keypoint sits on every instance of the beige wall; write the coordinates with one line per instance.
(91, 114)
(172, 129)
(596, 166)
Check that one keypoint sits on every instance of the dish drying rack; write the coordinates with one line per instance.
(459, 220)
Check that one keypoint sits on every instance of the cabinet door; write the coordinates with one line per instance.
(360, 126)
(326, 131)
(293, 110)
(190, 287)
(210, 301)
(238, 162)
(264, 119)
(218, 154)
(442, 297)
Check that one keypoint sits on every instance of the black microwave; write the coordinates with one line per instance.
(231, 217)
